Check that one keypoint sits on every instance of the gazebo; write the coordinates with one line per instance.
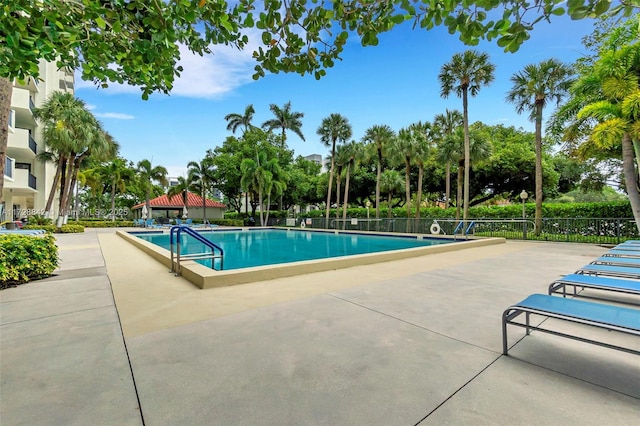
(173, 207)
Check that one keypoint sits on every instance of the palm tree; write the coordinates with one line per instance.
(533, 88)
(256, 179)
(285, 119)
(235, 120)
(446, 124)
(118, 174)
(391, 182)
(72, 134)
(465, 74)
(453, 147)
(403, 150)
(184, 185)
(423, 133)
(612, 87)
(378, 137)
(149, 174)
(354, 152)
(334, 129)
(202, 175)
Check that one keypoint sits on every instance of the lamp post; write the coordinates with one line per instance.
(523, 197)
(368, 205)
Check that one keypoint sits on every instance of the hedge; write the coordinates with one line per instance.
(618, 209)
(48, 228)
(104, 223)
(25, 257)
(70, 228)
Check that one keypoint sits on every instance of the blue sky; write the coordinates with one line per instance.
(394, 83)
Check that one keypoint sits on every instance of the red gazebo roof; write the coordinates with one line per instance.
(193, 200)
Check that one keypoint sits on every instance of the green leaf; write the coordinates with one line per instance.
(100, 22)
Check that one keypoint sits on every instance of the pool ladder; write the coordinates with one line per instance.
(176, 256)
(460, 227)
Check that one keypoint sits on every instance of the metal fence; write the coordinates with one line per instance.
(583, 230)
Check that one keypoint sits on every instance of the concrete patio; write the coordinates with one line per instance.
(115, 339)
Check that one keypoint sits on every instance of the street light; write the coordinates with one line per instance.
(523, 197)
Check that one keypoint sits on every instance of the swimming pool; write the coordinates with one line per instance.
(251, 246)
(261, 247)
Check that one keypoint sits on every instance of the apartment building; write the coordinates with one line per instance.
(27, 180)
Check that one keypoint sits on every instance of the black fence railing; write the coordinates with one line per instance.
(582, 230)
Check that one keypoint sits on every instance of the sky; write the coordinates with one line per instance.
(394, 83)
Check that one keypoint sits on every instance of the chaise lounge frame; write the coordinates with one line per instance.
(592, 282)
(608, 317)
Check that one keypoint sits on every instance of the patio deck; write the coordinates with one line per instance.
(116, 339)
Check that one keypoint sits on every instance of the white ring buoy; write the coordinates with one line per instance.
(435, 228)
(302, 225)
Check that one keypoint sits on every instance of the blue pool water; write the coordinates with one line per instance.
(245, 249)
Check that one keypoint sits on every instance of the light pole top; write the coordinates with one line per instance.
(524, 195)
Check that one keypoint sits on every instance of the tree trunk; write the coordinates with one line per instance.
(447, 185)
(204, 204)
(346, 197)
(338, 184)
(113, 200)
(389, 205)
(467, 156)
(407, 190)
(459, 194)
(333, 156)
(65, 194)
(261, 202)
(5, 109)
(54, 186)
(538, 214)
(266, 219)
(378, 174)
(630, 177)
(419, 199)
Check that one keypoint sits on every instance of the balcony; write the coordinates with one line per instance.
(21, 145)
(31, 84)
(22, 104)
(23, 182)
(9, 171)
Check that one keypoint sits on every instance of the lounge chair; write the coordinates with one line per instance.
(594, 283)
(610, 271)
(617, 261)
(608, 317)
(622, 253)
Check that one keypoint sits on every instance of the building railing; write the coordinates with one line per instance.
(32, 181)
(33, 145)
(586, 230)
(9, 167)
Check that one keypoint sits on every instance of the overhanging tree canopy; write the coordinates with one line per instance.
(138, 42)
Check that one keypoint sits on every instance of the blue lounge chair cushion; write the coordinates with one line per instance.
(622, 253)
(599, 282)
(578, 309)
(611, 270)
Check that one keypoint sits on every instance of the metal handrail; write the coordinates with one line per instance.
(175, 266)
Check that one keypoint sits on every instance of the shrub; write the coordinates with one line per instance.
(24, 258)
(104, 223)
(70, 228)
(48, 228)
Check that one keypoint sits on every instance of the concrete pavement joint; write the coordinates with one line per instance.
(126, 349)
(54, 315)
(458, 390)
(409, 323)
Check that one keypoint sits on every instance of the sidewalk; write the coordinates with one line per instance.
(398, 343)
(62, 354)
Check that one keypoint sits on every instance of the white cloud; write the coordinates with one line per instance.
(114, 115)
(90, 107)
(208, 76)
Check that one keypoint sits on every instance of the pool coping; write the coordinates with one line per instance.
(204, 278)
